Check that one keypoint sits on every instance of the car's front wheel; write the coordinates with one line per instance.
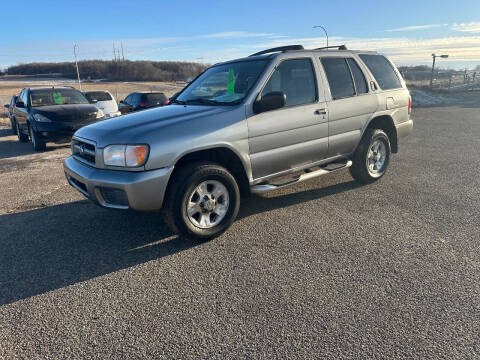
(37, 142)
(202, 201)
(371, 159)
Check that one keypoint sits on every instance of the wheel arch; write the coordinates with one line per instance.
(385, 123)
(222, 155)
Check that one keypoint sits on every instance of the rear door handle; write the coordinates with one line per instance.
(322, 111)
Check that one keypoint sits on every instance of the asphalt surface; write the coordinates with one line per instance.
(324, 269)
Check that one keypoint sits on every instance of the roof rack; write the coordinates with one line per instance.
(339, 47)
(280, 48)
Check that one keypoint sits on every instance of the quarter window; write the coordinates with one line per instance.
(360, 82)
(382, 70)
(296, 79)
(339, 77)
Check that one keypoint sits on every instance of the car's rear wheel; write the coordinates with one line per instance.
(202, 201)
(14, 127)
(37, 142)
(371, 159)
(23, 138)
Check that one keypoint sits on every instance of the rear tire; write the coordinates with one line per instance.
(38, 144)
(201, 202)
(14, 127)
(371, 159)
(21, 136)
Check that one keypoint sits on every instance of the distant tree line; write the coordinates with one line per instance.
(114, 70)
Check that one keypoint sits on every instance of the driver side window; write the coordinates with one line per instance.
(296, 79)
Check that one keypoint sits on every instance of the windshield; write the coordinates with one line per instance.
(223, 84)
(53, 96)
(98, 96)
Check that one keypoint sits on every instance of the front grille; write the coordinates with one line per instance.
(84, 151)
(79, 117)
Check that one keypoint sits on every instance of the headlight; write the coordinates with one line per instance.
(125, 155)
(100, 114)
(41, 118)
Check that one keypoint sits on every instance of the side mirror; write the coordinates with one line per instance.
(121, 102)
(93, 101)
(6, 106)
(19, 104)
(271, 101)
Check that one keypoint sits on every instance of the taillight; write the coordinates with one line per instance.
(167, 102)
(410, 105)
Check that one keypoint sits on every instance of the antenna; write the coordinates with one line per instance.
(75, 48)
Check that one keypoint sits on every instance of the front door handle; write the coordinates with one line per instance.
(322, 111)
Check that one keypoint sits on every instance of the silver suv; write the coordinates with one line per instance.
(273, 119)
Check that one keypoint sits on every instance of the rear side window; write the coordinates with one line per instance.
(296, 79)
(339, 77)
(360, 82)
(382, 70)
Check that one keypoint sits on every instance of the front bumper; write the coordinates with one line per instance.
(142, 190)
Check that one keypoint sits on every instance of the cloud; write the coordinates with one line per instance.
(235, 34)
(471, 27)
(401, 50)
(416, 27)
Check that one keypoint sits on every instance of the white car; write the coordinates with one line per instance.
(103, 100)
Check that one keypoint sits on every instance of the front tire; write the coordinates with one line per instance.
(38, 144)
(202, 201)
(371, 159)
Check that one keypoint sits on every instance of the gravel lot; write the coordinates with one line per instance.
(325, 269)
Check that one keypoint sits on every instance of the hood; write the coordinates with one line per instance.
(140, 126)
(107, 106)
(68, 113)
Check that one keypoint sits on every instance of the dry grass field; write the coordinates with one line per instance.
(118, 89)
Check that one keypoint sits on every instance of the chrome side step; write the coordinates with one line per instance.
(263, 188)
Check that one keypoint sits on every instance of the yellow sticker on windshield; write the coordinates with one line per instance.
(57, 98)
(231, 82)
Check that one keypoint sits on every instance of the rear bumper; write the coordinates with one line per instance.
(404, 129)
(142, 190)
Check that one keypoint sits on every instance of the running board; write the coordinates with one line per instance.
(263, 188)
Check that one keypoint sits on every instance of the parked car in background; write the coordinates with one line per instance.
(10, 108)
(104, 101)
(141, 101)
(261, 123)
(52, 114)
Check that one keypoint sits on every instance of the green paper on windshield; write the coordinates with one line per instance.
(231, 82)
(57, 98)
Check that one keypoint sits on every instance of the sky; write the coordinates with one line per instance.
(408, 31)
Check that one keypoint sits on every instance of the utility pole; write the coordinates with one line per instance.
(75, 49)
(123, 57)
(114, 53)
(433, 67)
(321, 27)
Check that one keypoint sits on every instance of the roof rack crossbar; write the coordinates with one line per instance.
(280, 48)
(339, 47)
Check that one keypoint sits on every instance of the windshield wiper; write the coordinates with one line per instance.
(175, 101)
(204, 101)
